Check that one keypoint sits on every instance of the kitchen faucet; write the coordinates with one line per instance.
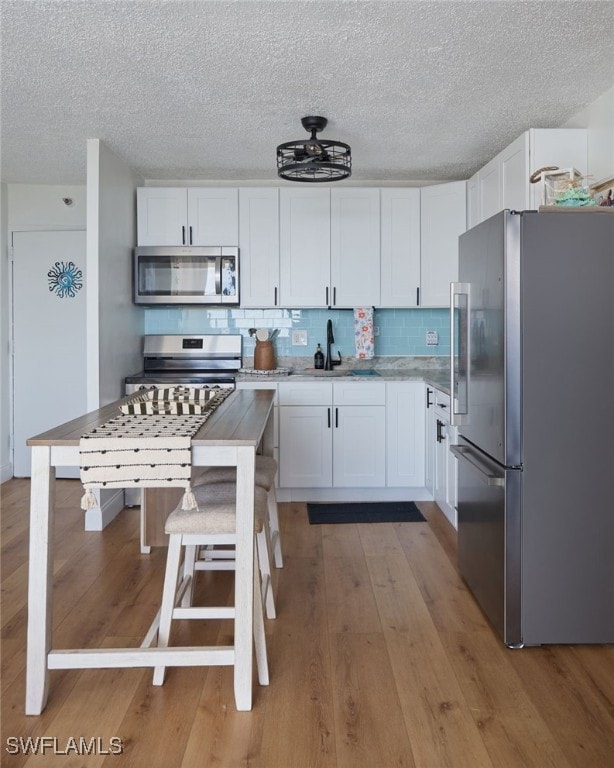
(330, 340)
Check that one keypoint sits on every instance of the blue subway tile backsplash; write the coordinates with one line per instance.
(399, 331)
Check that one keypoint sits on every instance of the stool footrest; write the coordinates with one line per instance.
(203, 612)
(185, 656)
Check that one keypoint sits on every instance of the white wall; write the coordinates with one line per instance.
(598, 118)
(26, 207)
(115, 323)
(6, 470)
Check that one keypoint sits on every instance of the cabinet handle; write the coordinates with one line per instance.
(336, 418)
(429, 392)
(440, 435)
(275, 297)
(326, 302)
(190, 235)
(335, 296)
(418, 296)
(183, 235)
(328, 414)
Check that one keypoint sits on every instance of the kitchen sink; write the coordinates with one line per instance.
(319, 372)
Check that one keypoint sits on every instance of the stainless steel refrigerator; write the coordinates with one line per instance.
(533, 396)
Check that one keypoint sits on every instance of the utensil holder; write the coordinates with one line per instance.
(264, 356)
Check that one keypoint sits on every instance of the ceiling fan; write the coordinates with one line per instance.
(314, 159)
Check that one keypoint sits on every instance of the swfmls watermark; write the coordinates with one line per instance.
(73, 745)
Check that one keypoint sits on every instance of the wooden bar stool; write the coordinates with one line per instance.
(266, 469)
(213, 524)
(214, 557)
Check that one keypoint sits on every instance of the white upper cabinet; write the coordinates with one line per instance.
(259, 246)
(489, 186)
(329, 245)
(503, 183)
(473, 202)
(400, 247)
(213, 215)
(162, 215)
(192, 216)
(443, 218)
(304, 233)
(355, 247)
(514, 174)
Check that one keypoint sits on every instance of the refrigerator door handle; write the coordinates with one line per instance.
(463, 452)
(460, 310)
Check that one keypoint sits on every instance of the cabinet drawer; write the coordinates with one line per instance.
(306, 393)
(441, 403)
(359, 393)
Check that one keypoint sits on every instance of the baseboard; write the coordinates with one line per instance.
(354, 494)
(110, 504)
(6, 472)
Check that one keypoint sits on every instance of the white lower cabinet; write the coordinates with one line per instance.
(430, 442)
(405, 425)
(306, 456)
(445, 482)
(359, 446)
(332, 434)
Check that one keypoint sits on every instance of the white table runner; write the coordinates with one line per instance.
(142, 451)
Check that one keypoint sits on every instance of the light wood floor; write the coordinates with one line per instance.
(379, 657)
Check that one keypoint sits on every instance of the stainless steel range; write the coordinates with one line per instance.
(170, 359)
(197, 361)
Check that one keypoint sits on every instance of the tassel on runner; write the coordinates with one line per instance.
(88, 500)
(189, 500)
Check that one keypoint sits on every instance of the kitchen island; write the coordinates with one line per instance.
(240, 426)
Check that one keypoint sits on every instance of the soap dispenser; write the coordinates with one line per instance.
(318, 358)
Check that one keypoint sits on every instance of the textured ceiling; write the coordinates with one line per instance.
(206, 90)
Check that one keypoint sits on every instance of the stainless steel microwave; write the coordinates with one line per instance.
(186, 275)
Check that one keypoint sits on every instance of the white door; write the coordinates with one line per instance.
(213, 216)
(49, 337)
(400, 247)
(305, 447)
(162, 216)
(355, 247)
(443, 218)
(405, 433)
(489, 189)
(304, 235)
(359, 446)
(259, 244)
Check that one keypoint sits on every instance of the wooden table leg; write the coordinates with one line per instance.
(40, 579)
(244, 608)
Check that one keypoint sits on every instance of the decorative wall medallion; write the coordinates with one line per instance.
(65, 279)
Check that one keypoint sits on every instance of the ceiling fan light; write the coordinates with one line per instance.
(314, 148)
(314, 160)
